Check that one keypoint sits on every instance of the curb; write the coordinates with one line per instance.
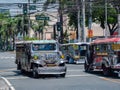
(8, 83)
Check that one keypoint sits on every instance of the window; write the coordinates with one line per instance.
(20, 48)
(104, 47)
(44, 47)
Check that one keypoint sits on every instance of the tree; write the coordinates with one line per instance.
(39, 25)
(3, 30)
(8, 30)
(62, 6)
(99, 15)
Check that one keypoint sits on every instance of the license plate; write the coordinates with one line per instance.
(51, 65)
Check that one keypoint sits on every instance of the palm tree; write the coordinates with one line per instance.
(38, 26)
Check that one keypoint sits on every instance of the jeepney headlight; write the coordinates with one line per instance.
(35, 57)
(62, 63)
(62, 56)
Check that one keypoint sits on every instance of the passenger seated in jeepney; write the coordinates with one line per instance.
(49, 47)
(35, 47)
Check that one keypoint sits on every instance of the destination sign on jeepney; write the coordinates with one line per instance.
(75, 46)
(116, 46)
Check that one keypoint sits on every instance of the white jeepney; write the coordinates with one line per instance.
(40, 57)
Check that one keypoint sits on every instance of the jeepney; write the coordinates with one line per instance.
(104, 55)
(75, 52)
(40, 57)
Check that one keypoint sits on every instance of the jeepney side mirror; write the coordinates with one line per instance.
(62, 56)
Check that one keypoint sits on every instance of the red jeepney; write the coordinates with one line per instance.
(104, 54)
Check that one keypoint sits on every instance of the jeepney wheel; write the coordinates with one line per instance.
(18, 66)
(34, 72)
(119, 74)
(106, 70)
(86, 67)
(62, 75)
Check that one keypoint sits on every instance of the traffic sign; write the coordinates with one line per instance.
(90, 33)
(38, 17)
(32, 7)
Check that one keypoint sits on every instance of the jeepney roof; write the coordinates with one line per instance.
(37, 41)
(106, 40)
(78, 43)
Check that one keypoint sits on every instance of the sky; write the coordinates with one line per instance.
(13, 1)
(14, 8)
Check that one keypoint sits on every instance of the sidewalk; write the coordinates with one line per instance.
(3, 85)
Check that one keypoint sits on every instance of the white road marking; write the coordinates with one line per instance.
(17, 77)
(7, 57)
(79, 75)
(26, 77)
(8, 83)
(75, 70)
(7, 70)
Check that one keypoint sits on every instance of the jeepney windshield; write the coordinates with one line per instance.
(44, 47)
(83, 50)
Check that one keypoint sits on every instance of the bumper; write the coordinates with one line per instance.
(51, 70)
(116, 69)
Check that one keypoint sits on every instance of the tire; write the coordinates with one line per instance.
(106, 70)
(86, 67)
(23, 71)
(62, 75)
(119, 74)
(34, 72)
(18, 66)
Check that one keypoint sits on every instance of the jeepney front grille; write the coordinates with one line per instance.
(51, 65)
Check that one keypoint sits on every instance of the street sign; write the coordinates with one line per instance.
(90, 33)
(38, 17)
(32, 7)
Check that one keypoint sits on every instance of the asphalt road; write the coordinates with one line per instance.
(76, 78)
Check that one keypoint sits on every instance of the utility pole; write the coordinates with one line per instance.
(90, 18)
(83, 21)
(61, 21)
(28, 17)
(79, 28)
(25, 12)
(119, 24)
(105, 31)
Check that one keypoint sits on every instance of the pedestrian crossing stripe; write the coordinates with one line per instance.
(6, 57)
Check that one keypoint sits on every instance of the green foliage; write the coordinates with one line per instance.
(73, 19)
(30, 38)
(98, 15)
